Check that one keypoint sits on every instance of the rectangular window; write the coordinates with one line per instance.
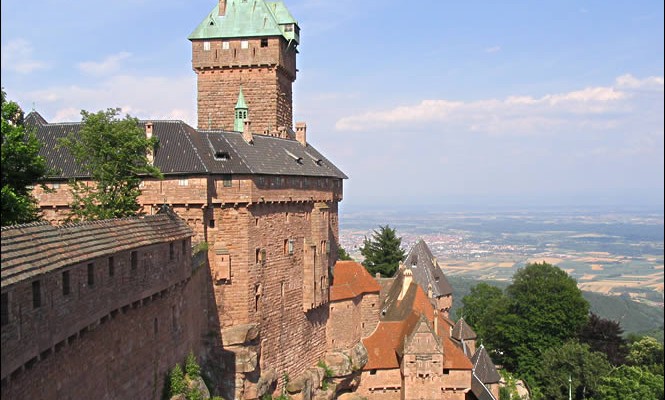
(211, 223)
(264, 42)
(135, 260)
(183, 182)
(4, 309)
(206, 46)
(291, 247)
(111, 266)
(36, 294)
(171, 251)
(225, 45)
(56, 186)
(288, 28)
(227, 181)
(66, 286)
(244, 44)
(91, 274)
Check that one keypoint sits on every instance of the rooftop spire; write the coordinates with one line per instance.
(240, 113)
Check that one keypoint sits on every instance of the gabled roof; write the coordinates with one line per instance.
(426, 270)
(245, 18)
(483, 366)
(183, 150)
(34, 249)
(462, 331)
(422, 326)
(351, 279)
(398, 320)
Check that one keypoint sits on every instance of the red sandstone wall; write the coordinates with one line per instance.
(344, 325)
(128, 347)
(265, 74)
(370, 310)
(384, 384)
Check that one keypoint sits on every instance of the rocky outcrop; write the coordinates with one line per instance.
(239, 334)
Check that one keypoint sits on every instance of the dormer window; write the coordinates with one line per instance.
(222, 155)
(288, 28)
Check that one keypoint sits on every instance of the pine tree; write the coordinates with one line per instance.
(383, 252)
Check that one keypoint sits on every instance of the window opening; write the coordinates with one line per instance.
(66, 288)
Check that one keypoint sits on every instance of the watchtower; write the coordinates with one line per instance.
(250, 44)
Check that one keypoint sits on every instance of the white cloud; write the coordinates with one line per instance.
(493, 49)
(105, 67)
(17, 56)
(144, 97)
(588, 108)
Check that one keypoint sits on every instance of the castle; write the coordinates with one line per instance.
(265, 202)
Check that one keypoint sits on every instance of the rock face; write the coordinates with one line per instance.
(198, 384)
(239, 334)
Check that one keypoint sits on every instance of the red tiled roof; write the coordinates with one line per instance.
(350, 280)
(385, 342)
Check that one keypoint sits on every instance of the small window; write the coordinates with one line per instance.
(66, 285)
(244, 44)
(184, 247)
(206, 46)
(111, 266)
(171, 251)
(227, 180)
(134, 260)
(36, 294)
(288, 28)
(4, 310)
(291, 247)
(222, 155)
(225, 45)
(264, 42)
(91, 274)
(183, 182)
(211, 223)
(372, 372)
(56, 186)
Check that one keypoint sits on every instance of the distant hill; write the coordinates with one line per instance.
(634, 317)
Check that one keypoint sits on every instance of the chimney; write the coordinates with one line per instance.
(436, 321)
(408, 277)
(222, 8)
(246, 133)
(148, 135)
(430, 293)
(301, 133)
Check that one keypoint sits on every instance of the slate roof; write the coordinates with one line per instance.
(350, 280)
(479, 390)
(483, 366)
(462, 331)
(426, 270)
(183, 150)
(35, 249)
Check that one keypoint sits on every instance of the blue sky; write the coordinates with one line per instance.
(483, 103)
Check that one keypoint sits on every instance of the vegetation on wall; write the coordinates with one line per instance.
(22, 166)
(115, 153)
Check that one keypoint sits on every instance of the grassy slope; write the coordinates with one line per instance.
(633, 316)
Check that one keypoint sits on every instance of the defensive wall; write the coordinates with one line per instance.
(101, 309)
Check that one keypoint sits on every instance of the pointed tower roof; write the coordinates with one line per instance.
(240, 104)
(483, 367)
(426, 270)
(462, 331)
(248, 18)
(422, 326)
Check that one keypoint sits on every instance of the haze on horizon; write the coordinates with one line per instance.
(491, 104)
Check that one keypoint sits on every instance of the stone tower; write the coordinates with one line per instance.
(248, 43)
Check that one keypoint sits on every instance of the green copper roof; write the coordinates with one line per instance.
(248, 18)
(241, 101)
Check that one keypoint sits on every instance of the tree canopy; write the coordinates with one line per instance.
(22, 167)
(342, 255)
(631, 383)
(383, 251)
(605, 336)
(115, 153)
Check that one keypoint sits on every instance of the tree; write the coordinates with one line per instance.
(479, 307)
(575, 361)
(21, 167)
(605, 336)
(114, 152)
(630, 383)
(646, 353)
(383, 252)
(342, 255)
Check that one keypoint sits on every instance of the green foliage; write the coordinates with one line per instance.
(646, 352)
(631, 383)
(342, 255)
(605, 336)
(383, 252)
(327, 374)
(509, 390)
(114, 152)
(21, 167)
(480, 307)
(192, 368)
(177, 385)
(571, 360)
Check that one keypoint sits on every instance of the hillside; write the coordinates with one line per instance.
(634, 317)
